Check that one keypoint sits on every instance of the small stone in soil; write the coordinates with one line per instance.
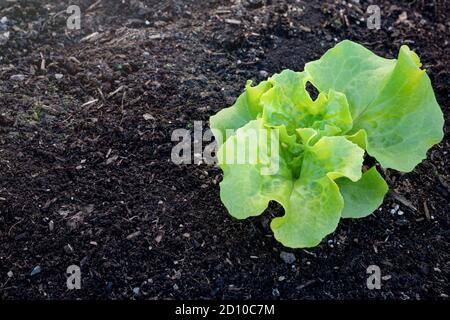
(158, 238)
(17, 77)
(10, 274)
(148, 116)
(395, 209)
(264, 73)
(4, 37)
(287, 257)
(275, 292)
(36, 270)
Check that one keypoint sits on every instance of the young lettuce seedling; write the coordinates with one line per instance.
(366, 103)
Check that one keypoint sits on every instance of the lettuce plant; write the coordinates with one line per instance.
(366, 103)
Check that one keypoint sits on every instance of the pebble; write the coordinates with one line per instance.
(10, 274)
(146, 54)
(264, 73)
(275, 292)
(148, 116)
(17, 77)
(36, 270)
(176, 287)
(4, 33)
(159, 238)
(59, 76)
(395, 209)
(136, 291)
(4, 37)
(287, 257)
(51, 225)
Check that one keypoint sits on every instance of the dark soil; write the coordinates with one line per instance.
(101, 173)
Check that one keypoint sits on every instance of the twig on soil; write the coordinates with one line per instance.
(72, 58)
(306, 284)
(233, 21)
(121, 103)
(101, 93)
(93, 6)
(115, 91)
(402, 200)
(42, 61)
(89, 103)
(92, 37)
(12, 227)
(426, 210)
(53, 17)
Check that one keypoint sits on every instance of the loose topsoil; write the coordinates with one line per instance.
(86, 118)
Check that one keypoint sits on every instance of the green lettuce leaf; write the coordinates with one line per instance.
(392, 100)
(261, 176)
(404, 120)
(315, 204)
(364, 196)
